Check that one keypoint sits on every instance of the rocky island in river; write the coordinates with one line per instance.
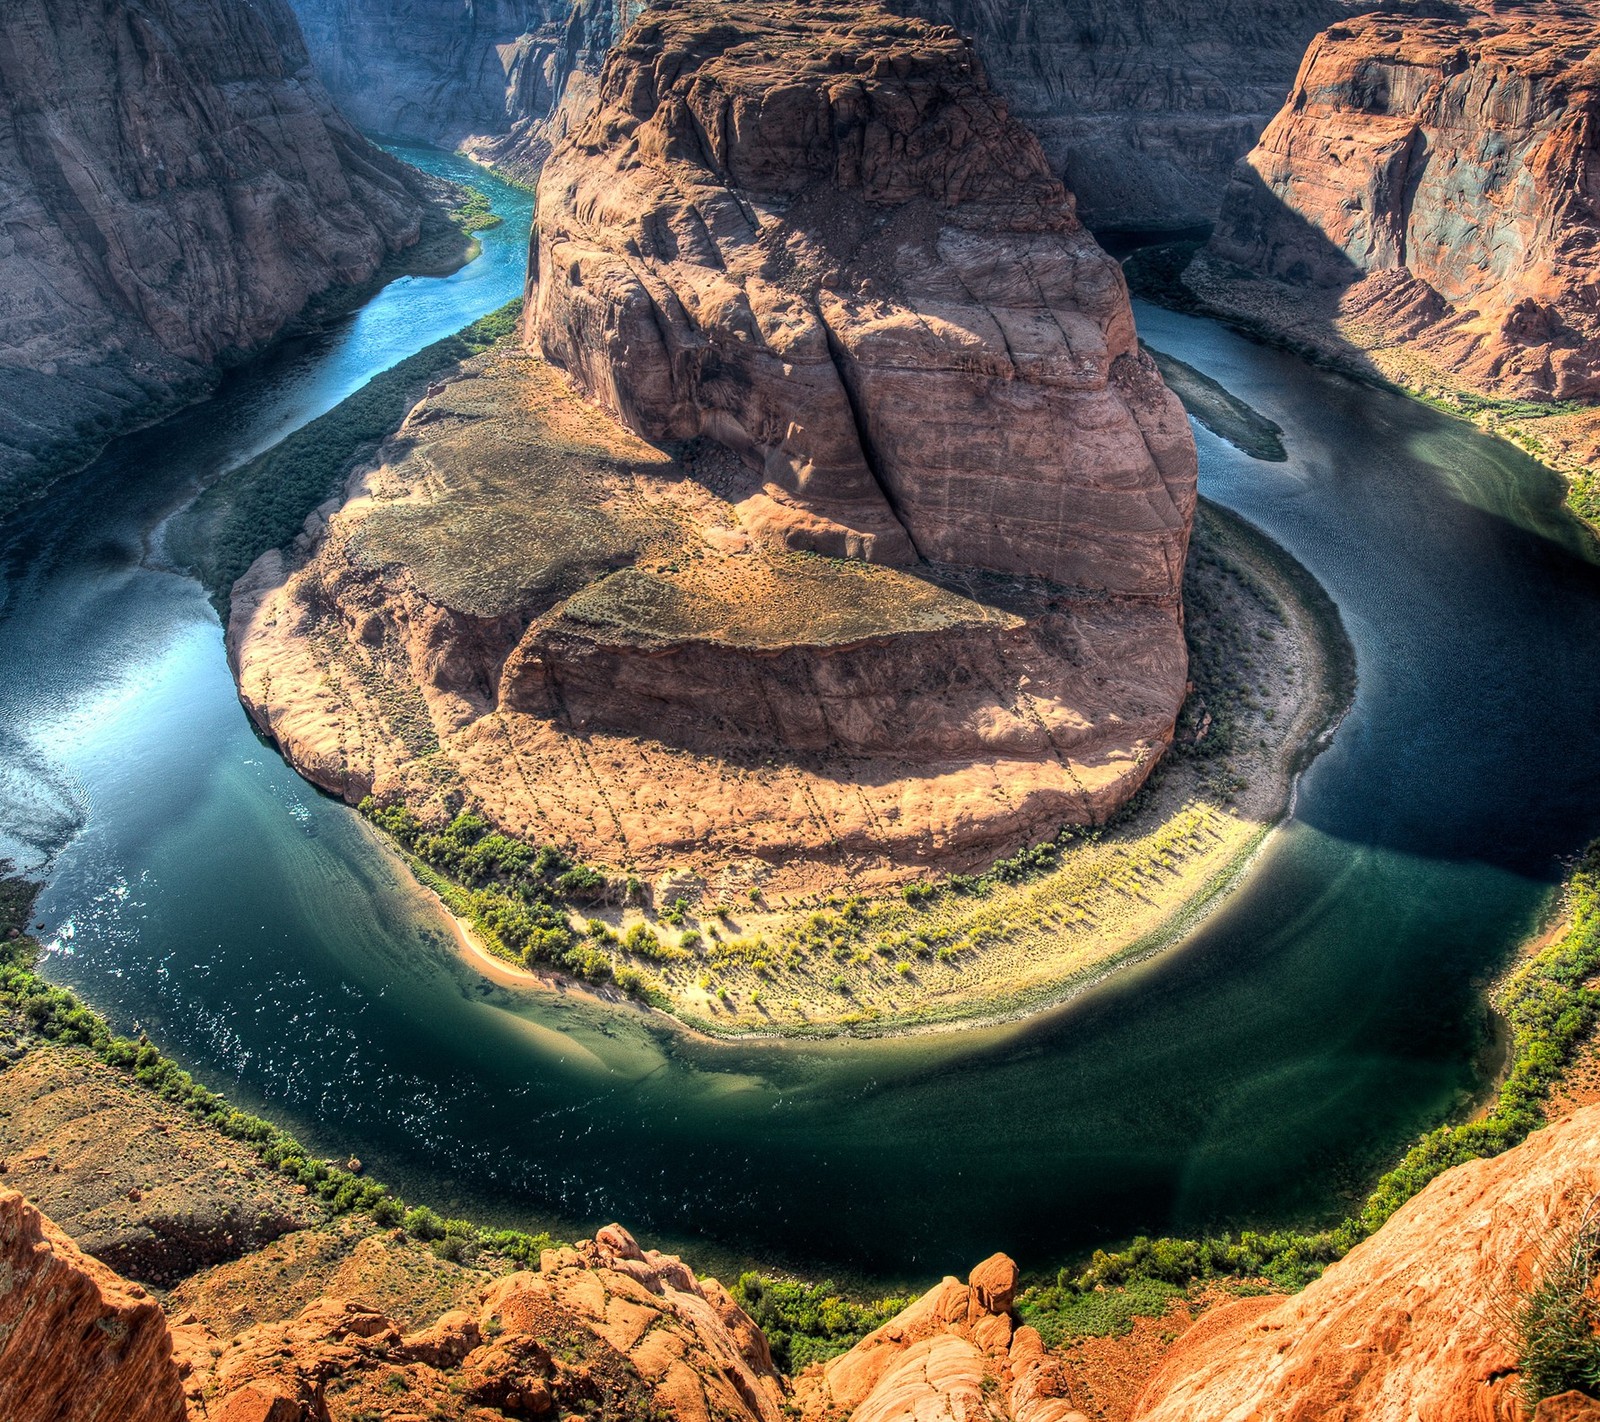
(827, 531)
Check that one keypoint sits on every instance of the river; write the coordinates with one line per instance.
(1263, 1071)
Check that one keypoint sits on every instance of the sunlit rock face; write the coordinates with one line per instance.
(176, 185)
(1445, 171)
(824, 244)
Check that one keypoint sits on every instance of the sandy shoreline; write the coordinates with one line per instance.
(1115, 902)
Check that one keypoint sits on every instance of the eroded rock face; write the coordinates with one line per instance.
(1412, 1323)
(79, 1343)
(955, 1353)
(1143, 108)
(175, 185)
(823, 243)
(1445, 171)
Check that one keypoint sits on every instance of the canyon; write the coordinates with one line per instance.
(176, 187)
(528, 591)
(1141, 110)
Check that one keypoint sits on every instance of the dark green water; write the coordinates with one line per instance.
(1262, 1072)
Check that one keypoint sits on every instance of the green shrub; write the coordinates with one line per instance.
(809, 1323)
(1557, 1324)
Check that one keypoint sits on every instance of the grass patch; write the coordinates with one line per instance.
(263, 503)
(1556, 1325)
(809, 1323)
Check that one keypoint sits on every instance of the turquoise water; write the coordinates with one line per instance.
(1263, 1071)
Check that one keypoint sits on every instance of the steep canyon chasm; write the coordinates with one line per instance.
(1324, 1015)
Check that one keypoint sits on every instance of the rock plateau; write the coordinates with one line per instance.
(818, 260)
(175, 186)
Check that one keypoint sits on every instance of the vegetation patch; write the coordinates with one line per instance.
(263, 503)
(1556, 1325)
(57, 1015)
(809, 1323)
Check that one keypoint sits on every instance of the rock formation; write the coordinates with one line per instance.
(176, 185)
(1143, 108)
(526, 604)
(957, 1352)
(888, 341)
(1437, 175)
(1414, 1322)
(823, 244)
(77, 1343)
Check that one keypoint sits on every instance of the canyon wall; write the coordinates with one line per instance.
(176, 186)
(824, 244)
(486, 76)
(1143, 108)
(1436, 176)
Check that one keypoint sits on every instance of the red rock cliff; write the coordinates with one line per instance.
(1447, 170)
(821, 241)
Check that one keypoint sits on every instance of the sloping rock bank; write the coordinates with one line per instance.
(1431, 188)
(1416, 1321)
(176, 186)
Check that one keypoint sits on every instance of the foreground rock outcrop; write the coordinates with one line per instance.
(1433, 185)
(176, 186)
(1416, 1321)
(77, 1343)
(957, 1352)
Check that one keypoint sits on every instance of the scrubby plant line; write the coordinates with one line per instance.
(1550, 1010)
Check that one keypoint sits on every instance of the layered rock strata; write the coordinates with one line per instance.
(1418, 1321)
(1435, 178)
(823, 243)
(1142, 108)
(176, 185)
(527, 604)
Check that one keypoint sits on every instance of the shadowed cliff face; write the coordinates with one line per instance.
(175, 186)
(489, 78)
(1446, 171)
(1143, 108)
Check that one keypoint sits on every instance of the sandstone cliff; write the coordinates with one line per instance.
(823, 243)
(1415, 1321)
(1143, 108)
(1435, 176)
(175, 186)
